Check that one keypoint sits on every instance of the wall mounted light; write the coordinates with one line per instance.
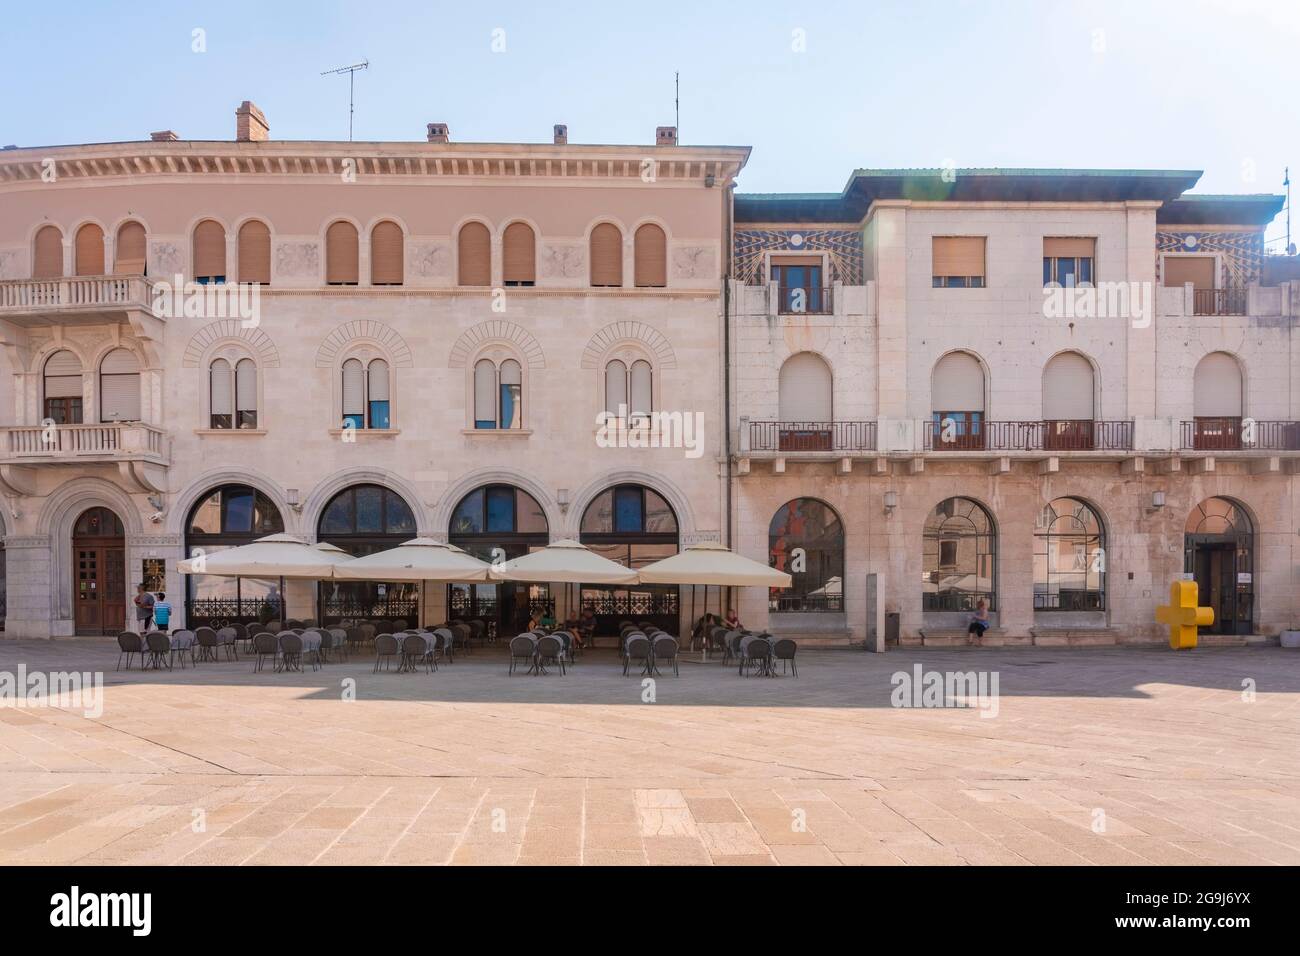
(291, 495)
(1157, 499)
(562, 497)
(891, 502)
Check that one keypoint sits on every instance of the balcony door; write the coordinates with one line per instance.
(799, 283)
(99, 573)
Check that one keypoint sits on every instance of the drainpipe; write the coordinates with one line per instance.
(726, 344)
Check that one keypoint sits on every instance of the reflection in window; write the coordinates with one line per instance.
(633, 526)
(958, 557)
(228, 517)
(1069, 558)
(806, 540)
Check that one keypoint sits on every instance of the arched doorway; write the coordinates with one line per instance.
(633, 526)
(805, 538)
(227, 517)
(99, 572)
(499, 521)
(361, 520)
(1219, 551)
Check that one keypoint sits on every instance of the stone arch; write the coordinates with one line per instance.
(453, 494)
(676, 498)
(325, 490)
(211, 480)
(615, 333)
(477, 336)
(364, 330)
(257, 341)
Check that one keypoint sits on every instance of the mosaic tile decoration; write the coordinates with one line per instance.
(844, 246)
(1243, 253)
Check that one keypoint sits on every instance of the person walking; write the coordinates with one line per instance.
(144, 603)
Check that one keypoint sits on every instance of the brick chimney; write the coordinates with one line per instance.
(439, 133)
(666, 136)
(250, 124)
(164, 136)
(561, 135)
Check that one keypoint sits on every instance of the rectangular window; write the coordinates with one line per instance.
(1068, 262)
(63, 411)
(948, 554)
(379, 414)
(354, 421)
(247, 418)
(153, 572)
(510, 406)
(627, 509)
(957, 262)
(221, 421)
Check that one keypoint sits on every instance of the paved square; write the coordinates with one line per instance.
(1095, 756)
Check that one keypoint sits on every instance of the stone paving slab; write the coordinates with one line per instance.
(1095, 756)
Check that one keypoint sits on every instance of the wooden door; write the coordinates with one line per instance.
(99, 576)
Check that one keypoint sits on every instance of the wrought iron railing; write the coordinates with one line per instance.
(388, 610)
(796, 300)
(218, 612)
(812, 436)
(1055, 435)
(955, 600)
(1238, 434)
(1219, 302)
(819, 603)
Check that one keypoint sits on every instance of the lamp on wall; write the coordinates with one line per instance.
(291, 495)
(562, 498)
(891, 502)
(1157, 500)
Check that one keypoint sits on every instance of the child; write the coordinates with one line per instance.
(162, 612)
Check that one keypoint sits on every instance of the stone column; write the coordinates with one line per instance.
(28, 565)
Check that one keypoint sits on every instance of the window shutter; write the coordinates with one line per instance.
(386, 259)
(474, 255)
(354, 391)
(209, 250)
(378, 375)
(615, 386)
(1067, 249)
(1067, 388)
(63, 375)
(47, 262)
(1217, 387)
(806, 389)
(958, 256)
(606, 255)
(255, 252)
(341, 254)
(130, 250)
(651, 257)
(485, 390)
(222, 396)
(519, 254)
(89, 258)
(1198, 270)
(119, 388)
(958, 384)
(246, 385)
(642, 388)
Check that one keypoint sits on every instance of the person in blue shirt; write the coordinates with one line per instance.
(162, 612)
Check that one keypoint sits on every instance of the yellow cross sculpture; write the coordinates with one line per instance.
(1183, 615)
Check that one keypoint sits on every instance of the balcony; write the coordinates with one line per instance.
(1219, 302)
(138, 452)
(1044, 436)
(1237, 434)
(801, 300)
(812, 436)
(82, 299)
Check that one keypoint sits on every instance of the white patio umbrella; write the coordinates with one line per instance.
(420, 559)
(563, 561)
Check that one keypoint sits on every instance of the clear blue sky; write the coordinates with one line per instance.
(1197, 84)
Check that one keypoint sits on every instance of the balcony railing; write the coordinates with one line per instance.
(812, 436)
(80, 442)
(797, 300)
(1054, 435)
(82, 293)
(1219, 302)
(1236, 434)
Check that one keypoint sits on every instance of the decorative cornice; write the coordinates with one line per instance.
(496, 330)
(617, 332)
(364, 330)
(231, 329)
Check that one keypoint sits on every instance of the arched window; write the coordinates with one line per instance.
(474, 255)
(958, 557)
(806, 405)
(1069, 558)
(499, 522)
(387, 261)
(62, 388)
(957, 400)
(806, 540)
(1217, 402)
(233, 393)
(47, 253)
(606, 249)
(129, 250)
(228, 517)
(629, 389)
(616, 388)
(366, 394)
(519, 255)
(88, 251)
(633, 526)
(1068, 409)
(650, 257)
(119, 387)
(342, 254)
(498, 394)
(1219, 553)
(255, 252)
(361, 520)
(209, 252)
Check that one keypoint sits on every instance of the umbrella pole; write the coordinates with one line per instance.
(282, 601)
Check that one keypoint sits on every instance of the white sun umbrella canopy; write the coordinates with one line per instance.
(420, 559)
(713, 564)
(275, 556)
(563, 562)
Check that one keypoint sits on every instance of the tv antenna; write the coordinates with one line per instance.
(351, 71)
(677, 104)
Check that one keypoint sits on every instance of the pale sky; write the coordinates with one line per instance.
(817, 89)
